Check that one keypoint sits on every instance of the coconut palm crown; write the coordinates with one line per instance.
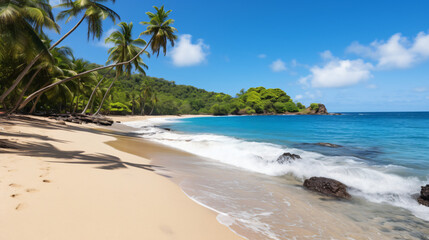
(94, 12)
(126, 48)
(159, 27)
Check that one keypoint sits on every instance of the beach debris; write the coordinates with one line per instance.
(327, 186)
(287, 157)
(325, 144)
(82, 118)
(61, 122)
(424, 196)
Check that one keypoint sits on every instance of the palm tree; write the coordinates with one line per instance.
(21, 21)
(58, 64)
(161, 31)
(125, 49)
(94, 13)
(91, 97)
(80, 65)
(145, 95)
(154, 101)
(62, 67)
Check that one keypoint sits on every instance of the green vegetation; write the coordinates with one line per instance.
(37, 76)
(314, 106)
(57, 81)
(181, 99)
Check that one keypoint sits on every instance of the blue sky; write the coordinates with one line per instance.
(350, 55)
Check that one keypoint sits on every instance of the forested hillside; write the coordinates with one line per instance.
(142, 94)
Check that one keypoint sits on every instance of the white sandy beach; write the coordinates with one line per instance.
(64, 182)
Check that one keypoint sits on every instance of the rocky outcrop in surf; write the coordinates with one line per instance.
(424, 196)
(331, 145)
(327, 186)
(287, 157)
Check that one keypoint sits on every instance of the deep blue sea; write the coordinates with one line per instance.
(397, 138)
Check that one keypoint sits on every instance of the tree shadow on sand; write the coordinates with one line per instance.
(47, 150)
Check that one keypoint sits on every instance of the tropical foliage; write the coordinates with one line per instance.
(38, 76)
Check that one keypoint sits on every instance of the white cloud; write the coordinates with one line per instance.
(420, 89)
(338, 73)
(371, 86)
(278, 66)
(326, 55)
(397, 52)
(186, 54)
(298, 97)
(106, 34)
(262, 56)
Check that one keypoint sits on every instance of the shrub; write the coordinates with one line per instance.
(291, 107)
(314, 106)
(119, 108)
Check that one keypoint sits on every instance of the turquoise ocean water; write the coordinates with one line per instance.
(383, 159)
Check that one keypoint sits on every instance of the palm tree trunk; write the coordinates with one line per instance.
(19, 78)
(94, 91)
(28, 67)
(35, 103)
(106, 94)
(153, 107)
(68, 33)
(144, 105)
(33, 95)
(25, 90)
(132, 110)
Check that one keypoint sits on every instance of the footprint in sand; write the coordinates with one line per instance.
(46, 181)
(14, 195)
(29, 190)
(19, 206)
(14, 185)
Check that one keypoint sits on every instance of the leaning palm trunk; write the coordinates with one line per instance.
(153, 107)
(33, 95)
(35, 103)
(105, 95)
(28, 67)
(94, 91)
(25, 90)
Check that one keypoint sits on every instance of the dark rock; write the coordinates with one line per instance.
(423, 201)
(424, 193)
(324, 144)
(167, 129)
(287, 157)
(322, 109)
(118, 121)
(327, 186)
(424, 196)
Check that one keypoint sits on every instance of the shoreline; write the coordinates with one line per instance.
(176, 142)
(65, 182)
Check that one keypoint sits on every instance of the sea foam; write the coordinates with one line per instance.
(375, 183)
